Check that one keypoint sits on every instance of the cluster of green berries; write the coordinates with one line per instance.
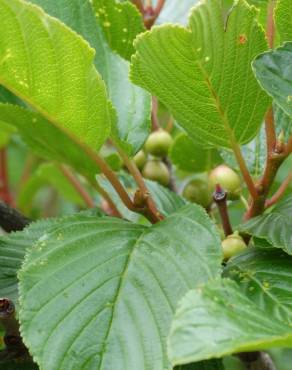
(156, 147)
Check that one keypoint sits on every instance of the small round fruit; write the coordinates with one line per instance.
(233, 245)
(158, 143)
(156, 170)
(197, 191)
(228, 179)
(140, 159)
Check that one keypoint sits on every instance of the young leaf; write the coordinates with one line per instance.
(272, 70)
(121, 23)
(274, 226)
(133, 105)
(283, 18)
(189, 156)
(204, 76)
(265, 277)
(217, 320)
(51, 68)
(115, 286)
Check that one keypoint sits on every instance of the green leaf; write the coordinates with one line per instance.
(216, 320)
(14, 245)
(121, 23)
(6, 132)
(283, 122)
(52, 69)
(204, 77)
(272, 70)
(254, 153)
(115, 285)
(133, 105)
(283, 19)
(48, 141)
(190, 157)
(273, 227)
(7, 97)
(265, 277)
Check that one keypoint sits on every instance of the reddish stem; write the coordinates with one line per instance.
(77, 186)
(5, 194)
(159, 6)
(280, 192)
(270, 131)
(270, 28)
(289, 146)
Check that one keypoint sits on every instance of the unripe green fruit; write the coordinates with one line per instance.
(233, 245)
(196, 191)
(156, 170)
(140, 159)
(158, 143)
(228, 179)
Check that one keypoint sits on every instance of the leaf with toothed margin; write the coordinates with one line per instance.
(14, 245)
(283, 19)
(205, 77)
(121, 23)
(265, 277)
(273, 70)
(52, 69)
(209, 324)
(101, 294)
(273, 227)
(133, 104)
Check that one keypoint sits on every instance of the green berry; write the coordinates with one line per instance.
(228, 179)
(158, 143)
(156, 170)
(233, 245)
(197, 191)
(140, 159)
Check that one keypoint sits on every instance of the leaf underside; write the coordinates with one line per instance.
(204, 77)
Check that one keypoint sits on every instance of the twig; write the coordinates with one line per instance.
(244, 170)
(270, 27)
(111, 208)
(11, 219)
(77, 186)
(139, 5)
(220, 198)
(150, 209)
(280, 192)
(289, 146)
(5, 194)
(159, 6)
(270, 131)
